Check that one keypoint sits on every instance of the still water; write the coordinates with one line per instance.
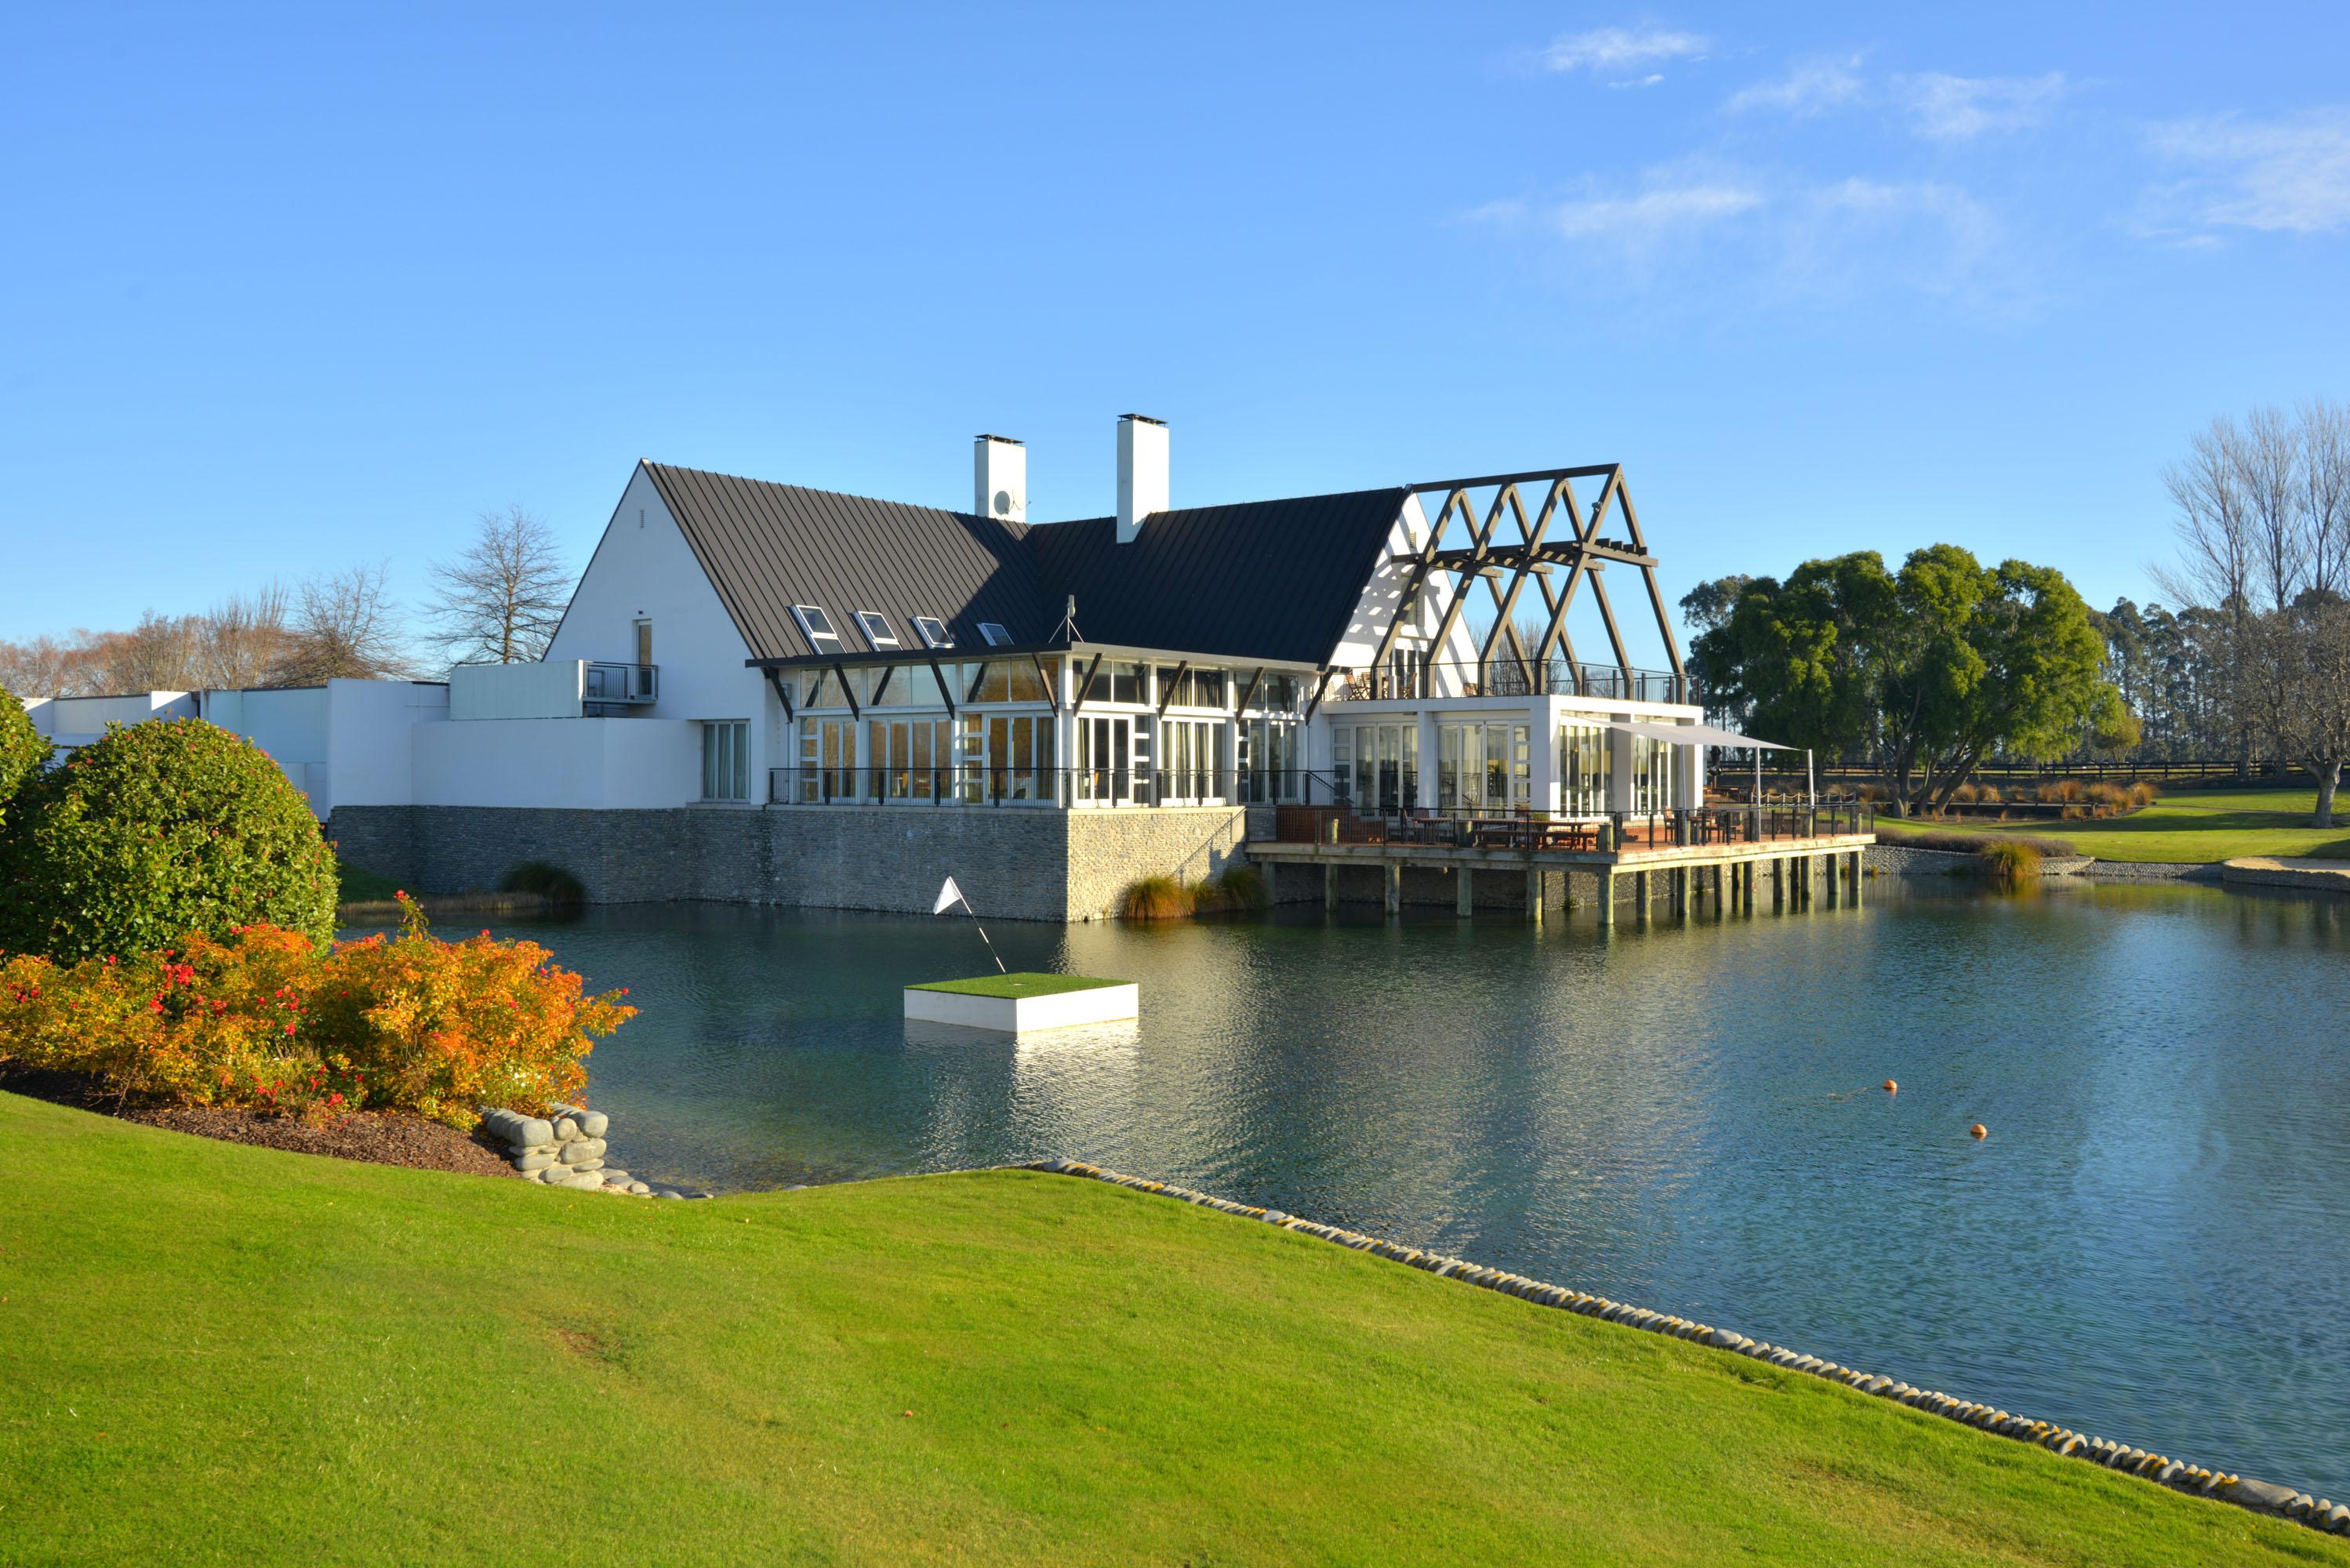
(2153, 1244)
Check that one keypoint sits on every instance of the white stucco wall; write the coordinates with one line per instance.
(371, 731)
(644, 569)
(346, 742)
(551, 689)
(579, 763)
(78, 721)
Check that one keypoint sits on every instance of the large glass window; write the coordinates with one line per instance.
(1105, 758)
(828, 769)
(1652, 775)
(1385, 767)
(1271, 763)
(726, 761)
(1585, 766)
(909, 758)
(1483, 767)
(1190, 758)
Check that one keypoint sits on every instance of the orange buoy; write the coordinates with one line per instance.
(1891, 1087)
(1979, 1130)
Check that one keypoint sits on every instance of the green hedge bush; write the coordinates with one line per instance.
(23, 749)
(154, 831)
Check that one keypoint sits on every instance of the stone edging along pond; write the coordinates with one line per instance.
(2261, 1496)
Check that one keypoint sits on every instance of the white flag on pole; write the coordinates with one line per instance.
(948, 897)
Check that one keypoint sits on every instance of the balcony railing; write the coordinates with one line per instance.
(971, 784)
(1504, 676)
(619, 686)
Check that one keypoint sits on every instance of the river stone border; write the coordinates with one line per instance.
(565, 1147)
(2260, 1497)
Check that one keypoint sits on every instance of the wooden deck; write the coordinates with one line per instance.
(1730, 870)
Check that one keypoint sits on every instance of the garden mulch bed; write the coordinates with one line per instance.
(377, 1138)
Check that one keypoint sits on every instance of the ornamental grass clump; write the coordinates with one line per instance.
(261, 1019)
(550, 882)
(2010, 861)
(154, 831)
(1155, 898)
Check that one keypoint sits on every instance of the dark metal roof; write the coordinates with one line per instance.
(1269, 579)
(767, 547)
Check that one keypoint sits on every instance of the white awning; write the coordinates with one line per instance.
(1693, 735)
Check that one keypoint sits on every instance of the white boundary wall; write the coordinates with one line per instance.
(562, 764)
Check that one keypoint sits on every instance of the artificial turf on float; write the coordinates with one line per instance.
(210, 1353)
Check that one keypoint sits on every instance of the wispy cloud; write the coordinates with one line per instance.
(1712, 234)
(1954, 108)
(1622, 48)
(1640, 221)
(2287, 176)
(1937, 106)
(1809, 89)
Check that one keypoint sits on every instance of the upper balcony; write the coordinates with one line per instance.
(565, 689)
(609, 690)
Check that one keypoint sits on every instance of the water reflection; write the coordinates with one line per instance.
(2150, 1243)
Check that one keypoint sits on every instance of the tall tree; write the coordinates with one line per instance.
(2301, 693)
(500, 602)
(1932, 669)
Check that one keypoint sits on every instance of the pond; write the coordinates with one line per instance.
(2149, 1245)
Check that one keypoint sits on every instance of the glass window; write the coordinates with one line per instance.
(932, 631)
(726, 761)
(1585, 766)
(877, 628)
(818, 628)
(994, 634)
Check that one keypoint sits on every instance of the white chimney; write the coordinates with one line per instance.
(1141, 472)
(999, 478)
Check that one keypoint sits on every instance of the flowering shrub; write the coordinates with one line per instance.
(262, 1019)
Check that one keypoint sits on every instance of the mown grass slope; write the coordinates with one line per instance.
(2200, 826)
(216, 1354)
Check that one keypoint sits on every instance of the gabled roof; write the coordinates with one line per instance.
(1268, 579)
(766, 547)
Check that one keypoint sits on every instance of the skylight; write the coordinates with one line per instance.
(818, 627)
(994, 633)
(877, 628)
(932, 631)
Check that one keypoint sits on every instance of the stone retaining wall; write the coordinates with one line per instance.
(565, 1147)
(2261, 1496)
(2270, 871)
(1015, 862)
(1908, 861)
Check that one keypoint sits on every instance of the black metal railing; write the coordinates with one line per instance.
(1622, 832)
(1507, 676)
(974, 783)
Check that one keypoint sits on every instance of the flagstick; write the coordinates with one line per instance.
(981, 929)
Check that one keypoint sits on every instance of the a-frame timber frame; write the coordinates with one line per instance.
(1584, 554)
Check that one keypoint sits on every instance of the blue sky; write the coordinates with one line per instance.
(287, 290)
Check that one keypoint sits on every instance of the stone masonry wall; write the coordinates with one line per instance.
(1014, 862)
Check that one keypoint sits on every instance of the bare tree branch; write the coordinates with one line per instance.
(345, 626)
(500, 602)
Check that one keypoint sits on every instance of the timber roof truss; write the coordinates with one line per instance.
(1558, 534)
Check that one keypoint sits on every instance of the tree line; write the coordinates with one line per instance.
(498, 601)
(1929, 670)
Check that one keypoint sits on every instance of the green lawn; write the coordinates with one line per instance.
(2201, 826)
(1018, 984)
(215, 1353)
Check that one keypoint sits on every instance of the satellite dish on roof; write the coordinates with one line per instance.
(1004, 503)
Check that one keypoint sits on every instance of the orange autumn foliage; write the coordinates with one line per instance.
(263, 1020)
